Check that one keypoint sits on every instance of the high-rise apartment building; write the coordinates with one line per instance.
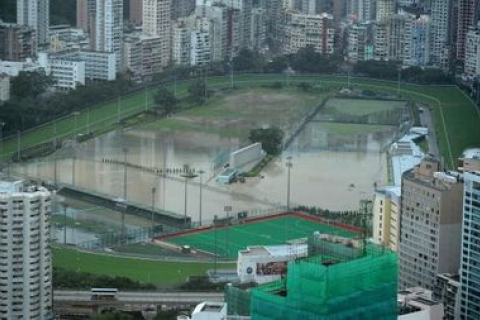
(385, 9)
(136, 12)
(445, 290)
(182, 8)
(472, 53)
(109, 28)
(218, 17)
(17, 42)
(302, 30)
(35, 14)
(141, 56)
(430, 224)
(364, 10)
(157, 21)
(25, 256)
(380, 41)
(397, 25)
(470, 263)
(467, 18)
(439, 31)
(4, 88)
(258, 32)
(86, 16)
(417, 46)
(386, 217)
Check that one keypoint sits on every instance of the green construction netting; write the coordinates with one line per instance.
(343, 283)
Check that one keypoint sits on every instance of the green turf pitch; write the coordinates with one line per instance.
(265, 232)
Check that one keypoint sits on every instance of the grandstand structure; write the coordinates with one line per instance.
(340, 279)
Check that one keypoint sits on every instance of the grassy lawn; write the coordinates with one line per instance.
(353, 129)
(86, 225)
(457, 120)
(272, 231)
(234, 114)
(148, 249)
(360, 107)
(143, 270)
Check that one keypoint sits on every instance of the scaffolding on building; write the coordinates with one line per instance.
(341, 279)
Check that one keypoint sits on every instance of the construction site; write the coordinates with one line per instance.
(340, 279)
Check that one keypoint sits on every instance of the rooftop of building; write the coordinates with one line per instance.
(212, 307)
(10, 185)
(277, 251)
(473, 153)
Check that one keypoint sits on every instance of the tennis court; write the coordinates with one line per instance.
(266, 231)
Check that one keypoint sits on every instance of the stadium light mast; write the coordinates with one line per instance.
(187, 174)
(289, 165)
(200, 173)
(227, 210)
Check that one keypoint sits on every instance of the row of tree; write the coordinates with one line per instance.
(63, 278)
(391, 70)
(33, 104)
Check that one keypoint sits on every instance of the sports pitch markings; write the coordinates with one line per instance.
(227, 241)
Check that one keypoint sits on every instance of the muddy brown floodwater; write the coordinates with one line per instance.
(330, 170)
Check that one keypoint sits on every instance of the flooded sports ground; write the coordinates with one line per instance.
(337, 157)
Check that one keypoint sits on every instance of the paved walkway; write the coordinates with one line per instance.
(426, 120)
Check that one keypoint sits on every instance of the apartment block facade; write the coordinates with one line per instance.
(4, 88)
(25, 255)
(302, 30)
(470, 263)
(35, 14)
(472, 53)
(157, 21)
(17, 42)
(68, 72)
(109, 28)
(430, 224)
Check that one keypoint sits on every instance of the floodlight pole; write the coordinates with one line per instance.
(289, 166)
(215, 238)
(154, 190)
(227, 210)
(125, 152)
(64, 223)
(201, 172)
(187, 175)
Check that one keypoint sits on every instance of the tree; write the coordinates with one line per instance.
(377, 69)
(166, 99)
(308, 60)
(30, 84)
(270, 138)
(198, 90)
(247, 60)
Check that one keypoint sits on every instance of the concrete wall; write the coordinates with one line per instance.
(251, 154)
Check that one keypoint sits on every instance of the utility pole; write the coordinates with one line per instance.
(227, 210)
(289, 166)
(187, 174)
(154, 190)
(201, 172)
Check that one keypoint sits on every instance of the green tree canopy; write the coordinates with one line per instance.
(165, 99)
(198, 90)
(247, 60)
(30, 84)
(271, 139)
